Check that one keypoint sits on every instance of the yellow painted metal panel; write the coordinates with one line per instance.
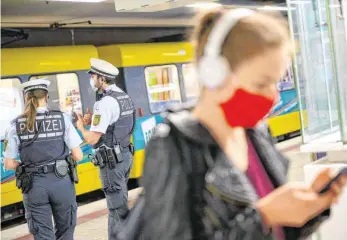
(10, 194)
(19, 61)
(283, 124)
(129, 55)
(137, 168)
(89, 179)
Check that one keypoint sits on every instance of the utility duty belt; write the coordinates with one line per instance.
(60, 167)
(105, 155)
(41, 169)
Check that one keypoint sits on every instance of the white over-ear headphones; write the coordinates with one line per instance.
(213, 68)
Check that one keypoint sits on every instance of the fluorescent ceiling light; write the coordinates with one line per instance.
(205, 5)
(273, 8)
(84, 1)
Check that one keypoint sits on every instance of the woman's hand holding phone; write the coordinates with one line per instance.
(334, 183)
(295, 204)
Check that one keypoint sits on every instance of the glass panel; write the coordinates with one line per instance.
(314, 70)
(338, 31)
(11, 102)
(64, 92)
(191, 84)
(162, 86)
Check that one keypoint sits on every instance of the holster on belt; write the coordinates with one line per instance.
(106, 155)
(23, 179)
(99, 159)
(72, 169)
(132, 149)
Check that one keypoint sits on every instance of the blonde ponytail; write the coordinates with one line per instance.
(32, 103)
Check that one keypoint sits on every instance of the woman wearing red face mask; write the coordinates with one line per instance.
(213, 172)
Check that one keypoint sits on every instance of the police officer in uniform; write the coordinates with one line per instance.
(46, 172)
(112, 124)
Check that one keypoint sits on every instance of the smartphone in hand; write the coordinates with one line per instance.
(342, 172)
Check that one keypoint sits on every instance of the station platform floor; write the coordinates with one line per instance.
(92, 218)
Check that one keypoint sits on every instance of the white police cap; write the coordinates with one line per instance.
(34, 84)
(103, 68)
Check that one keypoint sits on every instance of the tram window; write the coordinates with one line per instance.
(162, 86)
(64, 92)
(287, 81)
(191, 84)
(11, 102)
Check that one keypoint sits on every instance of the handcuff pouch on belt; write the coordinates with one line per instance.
(61, 168)
(23, 179)
(72, 169)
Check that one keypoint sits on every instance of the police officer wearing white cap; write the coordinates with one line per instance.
(42, 139)
(112, 124)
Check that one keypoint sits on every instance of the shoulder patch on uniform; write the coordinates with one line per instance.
(96, 120)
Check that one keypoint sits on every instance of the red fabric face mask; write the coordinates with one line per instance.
(245, 109)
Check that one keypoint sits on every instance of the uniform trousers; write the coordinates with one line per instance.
(114, 184)
(51, 196)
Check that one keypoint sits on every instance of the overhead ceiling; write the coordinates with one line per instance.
(42, 13)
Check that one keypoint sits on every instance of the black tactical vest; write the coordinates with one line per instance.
(120, 131)
(45, 143)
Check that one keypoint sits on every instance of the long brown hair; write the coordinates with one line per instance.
(32, 103)
(250, 37)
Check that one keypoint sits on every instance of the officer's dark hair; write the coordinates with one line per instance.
(32, 103)
(108, 80)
